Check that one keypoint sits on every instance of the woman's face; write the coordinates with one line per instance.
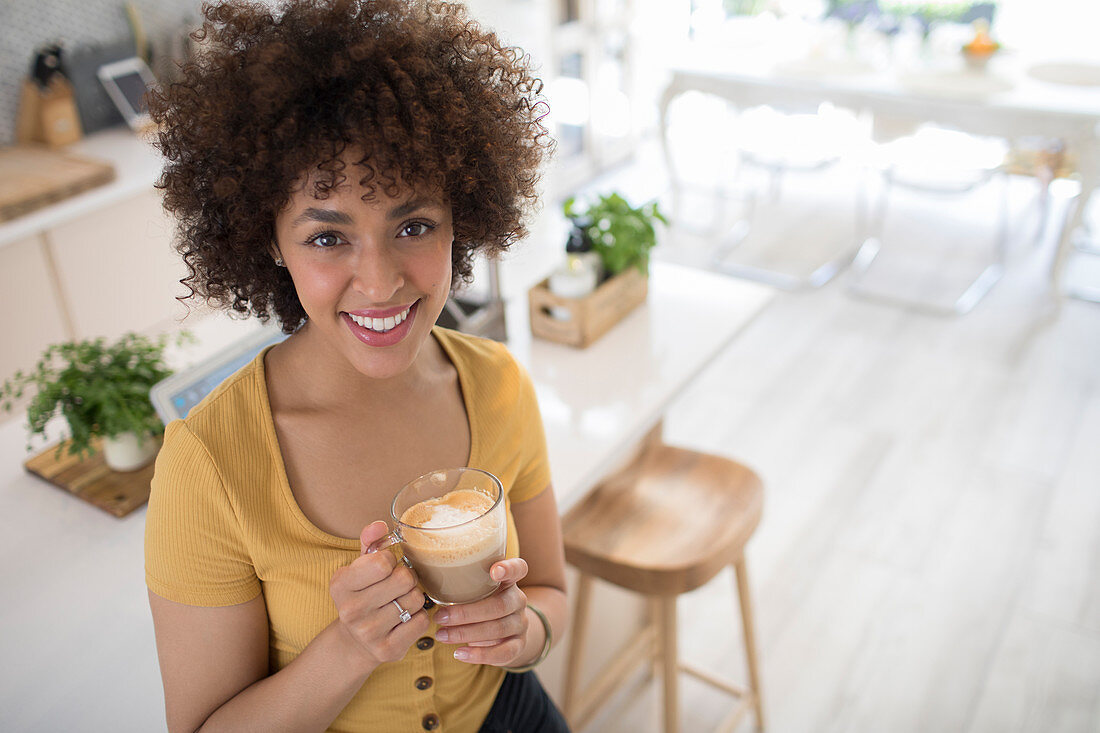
(371, 275)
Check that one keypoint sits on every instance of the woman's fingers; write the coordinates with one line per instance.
(368, 592)
(507, 571)
(400, 635)
(413, 604)
(492, 631)
(499, 654)
(373, 532)
(412, 601)
(484, 632)
(509, 599)
(400, 581)
(363, 572)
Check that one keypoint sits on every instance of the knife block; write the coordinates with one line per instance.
(48, 115)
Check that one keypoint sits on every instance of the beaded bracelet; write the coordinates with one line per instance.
(545, 646)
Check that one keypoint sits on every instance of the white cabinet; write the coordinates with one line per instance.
(33, 318)
(117, 269)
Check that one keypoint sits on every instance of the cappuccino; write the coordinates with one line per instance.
(452, 541)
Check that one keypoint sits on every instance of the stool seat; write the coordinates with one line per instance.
(664, 525)
(667, 523)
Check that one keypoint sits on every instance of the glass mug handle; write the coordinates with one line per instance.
(393, 538)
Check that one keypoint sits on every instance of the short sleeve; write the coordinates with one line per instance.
(194, 549)
(534, 473)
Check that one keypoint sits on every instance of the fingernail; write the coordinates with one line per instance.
(462, 655)
(497, 573)
(442, 617)
(441, 635)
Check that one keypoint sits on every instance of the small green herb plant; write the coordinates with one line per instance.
(621, 235)
(100, 388)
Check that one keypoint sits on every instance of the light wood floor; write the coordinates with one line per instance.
(929, 558)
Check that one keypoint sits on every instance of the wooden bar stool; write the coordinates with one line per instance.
(664, 525)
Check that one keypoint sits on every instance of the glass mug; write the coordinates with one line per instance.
(452, 527)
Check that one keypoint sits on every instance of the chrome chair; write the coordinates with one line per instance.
(776, 144)
(938, 162)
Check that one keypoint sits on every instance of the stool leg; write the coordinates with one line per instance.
(576, 645)
(750, 639)
(653, 623)
(669, 664)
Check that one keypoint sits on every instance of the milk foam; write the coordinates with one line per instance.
(453, 508)
(445, 515)
(453, 538)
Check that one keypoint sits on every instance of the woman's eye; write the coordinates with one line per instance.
(325, 240)
(415, 229)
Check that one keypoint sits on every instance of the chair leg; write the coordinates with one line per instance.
(669, 664)
(576, 645)
(750, 639)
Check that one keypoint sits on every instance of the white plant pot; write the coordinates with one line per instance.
(129, 451)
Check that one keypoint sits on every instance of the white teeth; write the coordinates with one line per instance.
(381, 324)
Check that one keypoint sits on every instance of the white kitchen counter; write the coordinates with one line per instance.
(75, 631)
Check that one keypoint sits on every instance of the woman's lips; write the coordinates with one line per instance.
(383, 337)
(381, 319)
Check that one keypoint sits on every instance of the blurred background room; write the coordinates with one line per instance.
(884, 206)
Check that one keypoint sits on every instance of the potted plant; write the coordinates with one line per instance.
(621, 234)
(102, 391)
(620, 237)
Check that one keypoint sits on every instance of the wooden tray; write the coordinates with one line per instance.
(115, 492)
(33, 177)
(589, 317)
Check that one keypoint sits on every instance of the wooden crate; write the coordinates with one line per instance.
(589, 317)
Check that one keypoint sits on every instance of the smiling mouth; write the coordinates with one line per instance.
(381, 325)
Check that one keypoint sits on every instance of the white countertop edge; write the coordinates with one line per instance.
(137, 167)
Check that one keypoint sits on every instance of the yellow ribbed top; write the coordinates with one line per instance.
(223, 526)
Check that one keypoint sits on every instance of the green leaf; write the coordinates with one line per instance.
(567, 207)
(100, 388)
(621, 235)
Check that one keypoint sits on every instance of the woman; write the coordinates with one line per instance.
(336, 165)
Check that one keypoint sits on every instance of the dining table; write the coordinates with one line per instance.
(75, 629)
(1014, 95)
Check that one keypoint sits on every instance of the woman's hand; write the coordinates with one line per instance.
(364, 592)
(492, 630)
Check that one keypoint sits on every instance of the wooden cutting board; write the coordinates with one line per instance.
(34, 177)
(115, 492)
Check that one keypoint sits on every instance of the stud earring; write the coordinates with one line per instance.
(279, 262)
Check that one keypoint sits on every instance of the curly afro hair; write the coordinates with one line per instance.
(432, 100)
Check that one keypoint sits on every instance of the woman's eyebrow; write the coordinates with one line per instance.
(332, 216)
(409, 207)
(326, 216)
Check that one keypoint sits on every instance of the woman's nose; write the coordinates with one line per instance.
(378, 274)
